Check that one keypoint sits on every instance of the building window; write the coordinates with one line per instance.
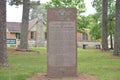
(17, 35)
(84, 36)
(32, 35)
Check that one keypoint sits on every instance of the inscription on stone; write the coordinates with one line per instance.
(61, 41)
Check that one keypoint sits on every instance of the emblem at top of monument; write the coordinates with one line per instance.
(61, 13)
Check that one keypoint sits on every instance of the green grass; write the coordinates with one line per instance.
(90, 61)
(100, 64)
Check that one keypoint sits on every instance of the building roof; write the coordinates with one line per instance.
(13, 26)
(32, 22)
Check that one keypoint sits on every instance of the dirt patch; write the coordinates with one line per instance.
(115, 57)
(42, 76)
(11, 50)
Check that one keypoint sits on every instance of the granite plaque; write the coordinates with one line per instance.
(61, 48)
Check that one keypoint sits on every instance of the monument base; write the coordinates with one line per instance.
(43, 76)
(62, 72)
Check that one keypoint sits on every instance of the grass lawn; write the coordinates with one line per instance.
(90, 61)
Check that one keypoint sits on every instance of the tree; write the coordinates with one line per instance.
(101, 7)
(38, 9)
(25, 20)
(117, 32)
(3, 47)
(104, 25)
(94, 26)
(111, 21)
(97, 4)
(82, 23)
(25, 24)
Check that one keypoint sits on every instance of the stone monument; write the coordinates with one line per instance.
(62, 42)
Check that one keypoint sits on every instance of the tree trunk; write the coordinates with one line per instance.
(25, 24)
(3, 47)
(111, 41)
(117, 30)
(104, 25)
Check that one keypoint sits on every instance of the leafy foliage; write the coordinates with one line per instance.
(94, 26)
(97, 4)
(82, 23)
(15, 2)
(38, 9)
(20, 2)
(79, 4)
(111, 16)
(34, 4)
